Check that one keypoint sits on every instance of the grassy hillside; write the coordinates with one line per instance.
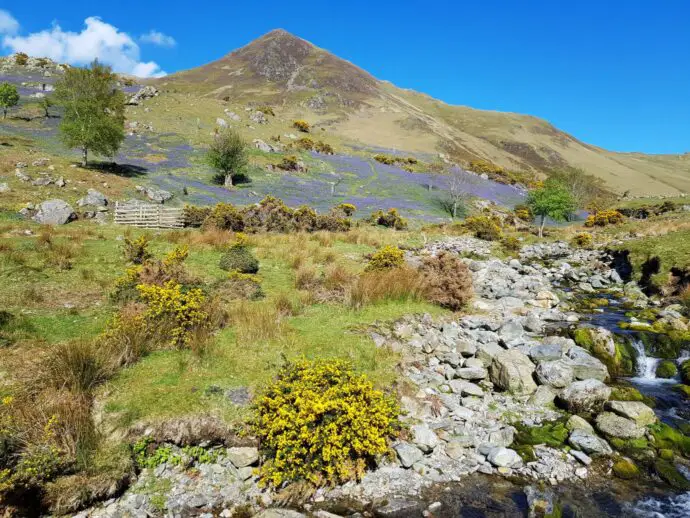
(303, 81)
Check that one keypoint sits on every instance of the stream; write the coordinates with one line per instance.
(671, 407)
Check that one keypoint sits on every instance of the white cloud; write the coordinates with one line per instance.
(8, 25)
(98, 40)
(158, 38)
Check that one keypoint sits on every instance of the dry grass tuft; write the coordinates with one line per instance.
(396, 284)
(446, 281)
(306, 278)
(255, 321)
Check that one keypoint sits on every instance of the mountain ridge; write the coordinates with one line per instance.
(303, 80)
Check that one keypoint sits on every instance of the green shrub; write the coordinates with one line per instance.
(322, 423)
(484, 227)
(266, 110)
(21, 59)
(323, 148)
(446, 281)
(346, 209)
(666, 369)
(301, 125)
(511, 244)
(136, 251)
(582, 240)
(195, 216)
(239, 258)
(386, 258)
(390, 219)
(524, 213)
(225, 216)
(289, 163)
(305, 143)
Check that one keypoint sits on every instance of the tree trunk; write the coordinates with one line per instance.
(228, 180)
(84, 156)
(455, 209)
(4, 113)
(541, 226)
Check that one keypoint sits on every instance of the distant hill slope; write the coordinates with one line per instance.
(302, 80)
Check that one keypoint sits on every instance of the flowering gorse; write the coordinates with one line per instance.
(183, 310)
(322, 423)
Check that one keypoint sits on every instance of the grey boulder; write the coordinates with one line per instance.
(54, 212)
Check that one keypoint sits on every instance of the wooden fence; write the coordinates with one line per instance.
(148, 215)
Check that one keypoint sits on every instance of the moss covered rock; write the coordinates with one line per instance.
(685, 372)
(626, 469)
(670, 474)
(670, 438)
(666, 454)
(666, 369)
(615, 352)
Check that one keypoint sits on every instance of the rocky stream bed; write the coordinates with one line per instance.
(476, 387)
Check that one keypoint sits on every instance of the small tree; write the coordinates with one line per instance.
(228, 156)
(9, 97)
(454, 201)
(46, 103)
(553, 200)
(94, 118)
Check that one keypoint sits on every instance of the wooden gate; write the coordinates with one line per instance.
(148, 215)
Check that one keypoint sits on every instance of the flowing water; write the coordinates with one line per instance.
(671, 408)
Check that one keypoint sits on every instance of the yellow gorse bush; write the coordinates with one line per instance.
(322, 423)
(386, 257)
(603, 218)
(177, 256)
(182, 309)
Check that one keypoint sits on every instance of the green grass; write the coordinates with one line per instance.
(673, 250)
(172, 382)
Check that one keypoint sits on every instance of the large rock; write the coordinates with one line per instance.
(471, 373)
(146, 92)
(585, 366)
(512, 371)
(585, 396)
(243, 456)
(93, 197)
(264, 146)
(575, 422)
(557, 374)
(511, 333)
(424, 438)
(635, 410)
(546, 352)
(542, 397)
(54, 212)
(614, 425)
(465, 388)
(504, 458)
(155, 195)
(408, 454)
(588, 442)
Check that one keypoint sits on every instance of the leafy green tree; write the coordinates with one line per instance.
(94, 110)
(554, 200)
(228, 156)
(9, 97)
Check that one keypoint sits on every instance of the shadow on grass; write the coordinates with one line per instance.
(124, 170)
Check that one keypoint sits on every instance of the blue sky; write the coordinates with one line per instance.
(614, 74)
